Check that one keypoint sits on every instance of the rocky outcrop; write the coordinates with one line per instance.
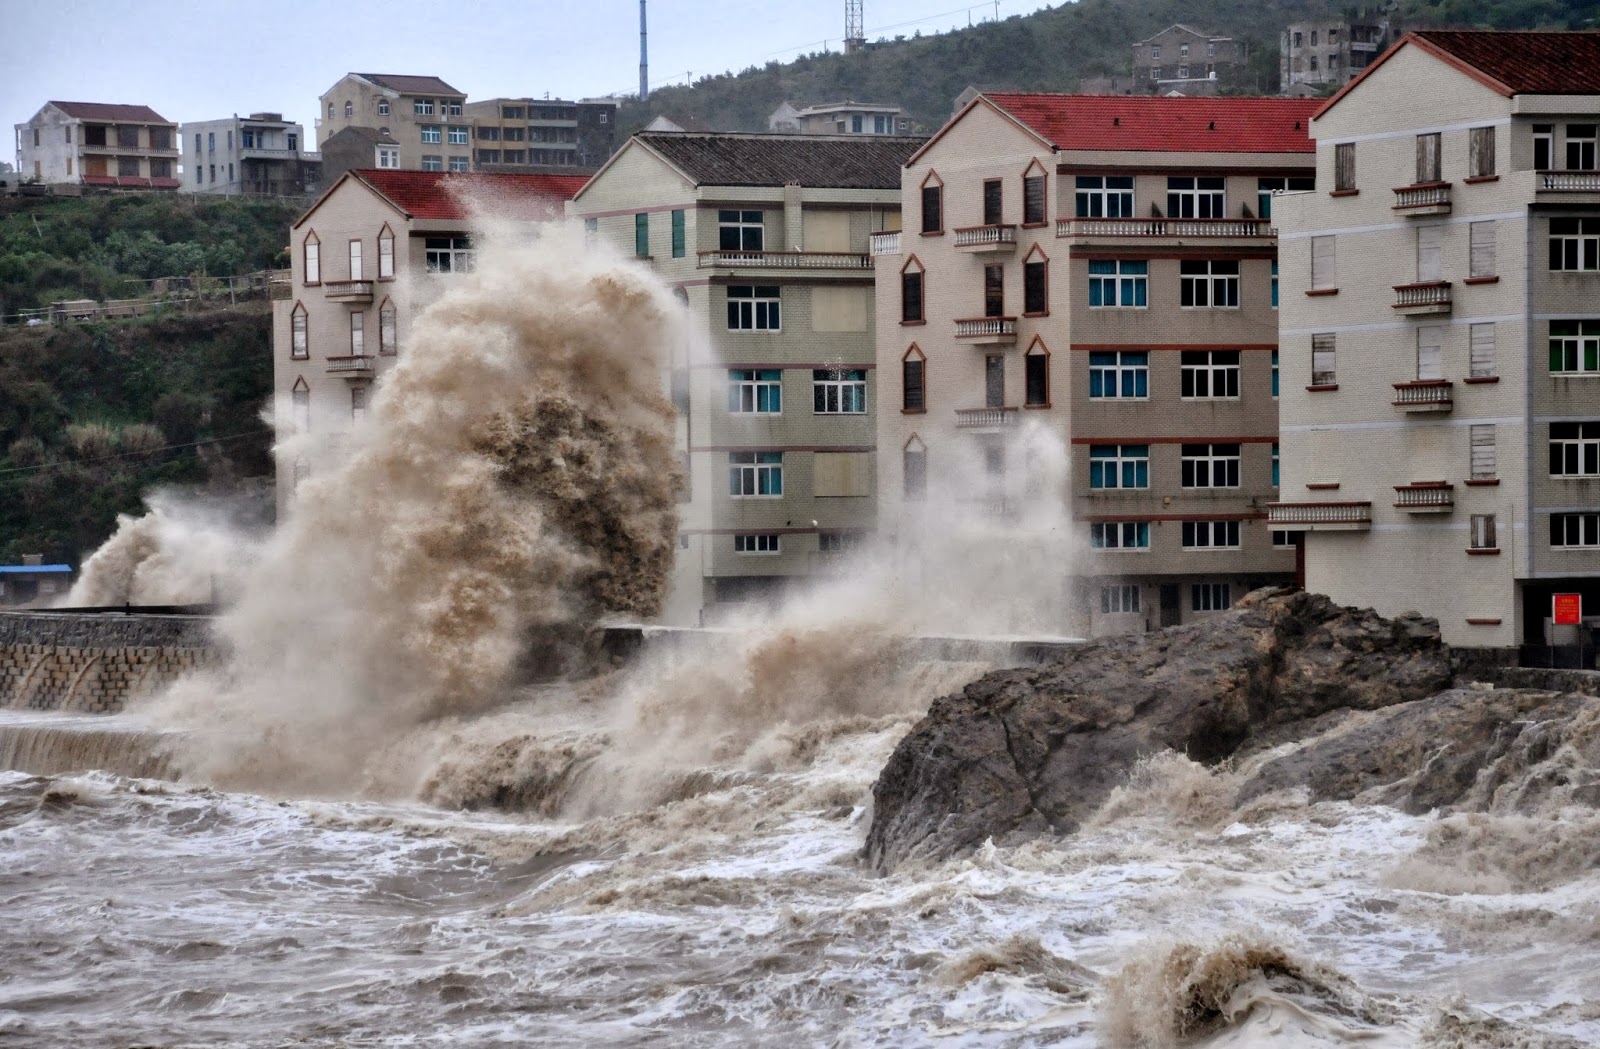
(1040, 748)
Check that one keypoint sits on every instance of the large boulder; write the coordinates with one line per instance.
(1040, 748)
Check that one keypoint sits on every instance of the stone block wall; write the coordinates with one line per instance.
(96, 663)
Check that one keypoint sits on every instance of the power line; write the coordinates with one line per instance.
(125, 455)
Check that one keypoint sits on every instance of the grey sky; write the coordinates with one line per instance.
(204, 59)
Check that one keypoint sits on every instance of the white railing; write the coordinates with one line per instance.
(821, 260)
(1569, 180)
(986, 327)
(1432, 293)
(1427, 392)
(986, 236)
(1165, 228)
(1424, 496)
(986, 417)
(348, 289)
(357, 365)
(886, 243)
(1289, 514)
(1429, 196)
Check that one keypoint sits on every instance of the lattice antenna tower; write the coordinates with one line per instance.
(855, 38)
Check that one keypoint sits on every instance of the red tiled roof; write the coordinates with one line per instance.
(110, 111)
(1147, 123)
(412, 85)
(448, 195)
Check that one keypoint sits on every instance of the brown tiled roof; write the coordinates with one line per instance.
(1150, 123)
(450, 195)
(822, 161)
(110, 111)
(412, 85)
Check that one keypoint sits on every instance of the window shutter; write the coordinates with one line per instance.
(1033, 199)
(1429, 365)
(1481, 251)
(911, 376)
(1323, 360)
(1483, 451)
(1480, 146)
(1428, 157)
(1322, 262)
(1033, 288)
(911, 295)
(1344, 166)
(1430, 254)
(1481, 353)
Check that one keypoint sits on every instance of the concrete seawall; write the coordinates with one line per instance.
(96, 663)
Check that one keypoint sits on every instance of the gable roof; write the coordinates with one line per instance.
(820, 161)
(451, 194)
(1187, 29)
(110, 111)
(411, 85)
(1509, 62)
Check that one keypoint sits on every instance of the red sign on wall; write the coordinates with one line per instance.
(1568, 609)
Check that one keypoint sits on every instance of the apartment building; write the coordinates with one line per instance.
(374, 249)
(1185, 59)
(840, 118)
(1100, 270)
(511, 134)
(99, 144)
(422, 117)
(1440, 336)
(259, 155)
(1328, 52)
(764, 238)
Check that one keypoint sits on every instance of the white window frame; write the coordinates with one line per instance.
(762, 543)
(1120, 599)
(449, 255)
(422, 107)
(456, 136)
(385, 255)
(1119, 536)
(839, 391)
(432, 134)
(1116, 462)
(1579, 453)
(1211, 535)
(1577, 251)
(383, 107)
(1197, 197)
(389, 157)
(1210, 463)
(747, 227)
(1210, 597)
(1582, 151)
(299, 333)
(1209, 375)
(1325, 359)
(313, 259)
(755, 475)
(1209, 284)
(1577, 531)
(1129, 364)
(1135, 282)
(432, 162)
(1283, 539)
(754, 307)
(755, 391)
(1583, 342)
(355, 259)
(458, 164)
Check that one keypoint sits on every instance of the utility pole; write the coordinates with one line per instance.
(644, 57)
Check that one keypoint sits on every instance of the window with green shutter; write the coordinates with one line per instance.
(641, 235)
(677, 234)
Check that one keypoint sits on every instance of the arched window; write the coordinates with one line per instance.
(1036, 283)
(388, 342)
(933, 203)
(1034, 211)
(349, 109)
(1036, 375)
(312, 268)
(914, 469)
(300, 398)
(300, 335)
(912, 292)
(385, 252)
(330, 110)
(913, 380)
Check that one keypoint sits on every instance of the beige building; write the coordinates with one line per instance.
(1185, 59)
(99, 144)
(1441, 336)
(1100, 270)
(1329, 52)
(373, 250)
(421, 119)
(765, 239)
(511, 134)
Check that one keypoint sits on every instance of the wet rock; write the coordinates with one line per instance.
(1040, 748)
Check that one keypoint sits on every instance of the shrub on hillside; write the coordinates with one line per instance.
(92, 440)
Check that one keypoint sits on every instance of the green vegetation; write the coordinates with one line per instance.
(107, 246)
(90, 415)
(1049, 50)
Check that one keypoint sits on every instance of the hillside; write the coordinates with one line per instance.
(1049, 50)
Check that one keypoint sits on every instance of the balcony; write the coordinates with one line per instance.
(982, 240)
(1426, 198)
(1568, 182)
(1186, 229)
(988, 331)
(263, 153)
(357, 367)
(1320, 517)
(885, 243)
(1425, 497)
(785, 260)
(355, 292)
(1424, 395)
(1423, 298)
(985, 418)
(1367, 46)
(132, 151)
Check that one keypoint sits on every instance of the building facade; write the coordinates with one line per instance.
(512, 134)
(99, 144)
(374, 249)
(1440, 337)
(424, 117)
(1184, 59)
(1328, 52)
(765, 239)
(840, 118)
(258, 155)
(1097, 273)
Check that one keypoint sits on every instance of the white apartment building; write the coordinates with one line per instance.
(258, 155)
(1440, 338)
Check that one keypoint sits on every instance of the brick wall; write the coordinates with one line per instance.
(96, 663)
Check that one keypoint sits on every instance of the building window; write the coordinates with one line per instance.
(422, 107)
(1104, 197)
(911, 294)
(1275, 461)
(358, 403)
(1033, 200)
(1119, 466)
(388, 340)
(740, 231)
(388, 157)
(1210, 597)
(1282, 539)
(1274, 373)
(1483, 458)
(993, 201)
(1211, 465)
(836, 391)
(299, 334)
(1036, 287)
(1575, 244)
(1120, 535)
(641, 234)
(1211, 535)
(1324, 362)
(1480, 152)
(753, 308)
(1119, 282)
(1266, 187)
(456, 136)
(1575, 449)
(755, 391)
(752, 474)
(358, 341)
(449, 255)
(383, 107)
(129, 166)
(432, 162)
(1430, 353)
(914, 468)
(300, 401)
(1155, 52)
(1481, 245)
(932, 208)
(1196, 197)
(1119, 373)
(1575, 347)
(1036, 376)
(994, 291)
(431, 134)
(1428, 157)
(680, 245)
(1480, 350)
(1580, 147)
(355, 260)
(1119, 598)
(313, 259)
(1209, 283)
(1344, 167)
(458, 163)
(1274, 283)
(760, 543)
(1210, 374)
(1155, 72)
(1544, 138)
(385, 254)
(1324, 268)
(1574, 531)
(912, 379)
(1183, 72)
(450, 109)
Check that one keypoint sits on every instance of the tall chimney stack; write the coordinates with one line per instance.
(644, 58)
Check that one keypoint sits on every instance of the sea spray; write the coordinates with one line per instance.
(185, 549)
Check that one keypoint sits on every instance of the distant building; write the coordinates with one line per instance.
(840, 118)
(356, 147)
(676, 122)
(33, 581)
(1109, 85)
(1329, 52)
(258, 155)
(422, 116)
(512, 134)
(99, 144)
(1182, 58)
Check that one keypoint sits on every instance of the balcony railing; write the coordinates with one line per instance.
(788, 260)
(1426, 297)
(985, 418)
(987, 238)
(1430, 198)
(987, 329)
(1363, 45)
(1424, 395)
(885, 243)
(1569, 181)
(348, 290)
(1320, 517)
(1165, 228)
(1425, 497)
(354, 367)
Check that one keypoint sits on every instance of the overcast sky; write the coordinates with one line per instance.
(205, 59)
